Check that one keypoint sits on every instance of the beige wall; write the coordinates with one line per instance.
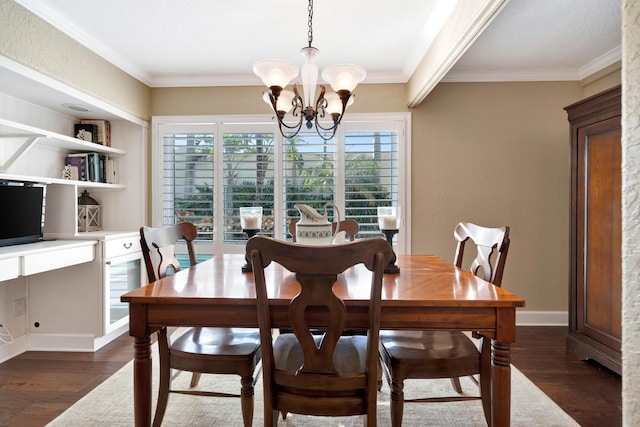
(498, 154)
(248, 100)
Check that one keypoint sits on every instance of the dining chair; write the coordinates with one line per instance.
(349, 226)
(198, 350)
(446, 354)
(310, 374)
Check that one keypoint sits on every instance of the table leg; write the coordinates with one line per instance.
(500, 384)
(142, 381)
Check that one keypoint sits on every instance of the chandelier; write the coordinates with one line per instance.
(276, 75)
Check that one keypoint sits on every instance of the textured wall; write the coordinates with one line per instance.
(28, 40)
(498, 154)
(631, 213)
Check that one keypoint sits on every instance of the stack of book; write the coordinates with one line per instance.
(98, 131)
(93, 167)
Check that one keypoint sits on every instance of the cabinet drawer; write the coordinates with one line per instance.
(122, 246)
(52, 260)
(9, 268)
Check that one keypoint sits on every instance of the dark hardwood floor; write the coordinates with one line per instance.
(35, 387)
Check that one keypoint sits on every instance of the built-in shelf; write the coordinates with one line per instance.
(32, 136)
(45, 180)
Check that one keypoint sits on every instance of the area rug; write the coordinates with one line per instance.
(111, 404)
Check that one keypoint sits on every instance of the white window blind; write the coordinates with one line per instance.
(188, 181)
(210, 166)
(248, 180)
(309, 168)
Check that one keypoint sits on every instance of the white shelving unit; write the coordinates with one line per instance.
(72, 307)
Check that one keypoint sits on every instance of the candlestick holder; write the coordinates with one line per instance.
(247, 267)
(389, 225)
(251, 223)
(391, 268)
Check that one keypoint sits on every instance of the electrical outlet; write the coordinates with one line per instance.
(19, 307)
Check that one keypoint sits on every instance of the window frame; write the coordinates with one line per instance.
(224, 124)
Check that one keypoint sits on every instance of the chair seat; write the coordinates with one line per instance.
(349, 356)
(195, 344)
(441, 354)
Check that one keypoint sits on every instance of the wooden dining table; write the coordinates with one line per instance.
(427, 293)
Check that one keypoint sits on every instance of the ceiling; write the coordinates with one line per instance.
(172, 43)
(207, 42)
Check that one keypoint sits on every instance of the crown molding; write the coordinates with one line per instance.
(598, 64)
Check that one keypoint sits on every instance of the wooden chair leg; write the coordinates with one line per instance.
(165, 377)
(455, 382)
(195, 378)
(380, 374)
(246, 400)
(273, 421)
(485, 377)
(397, 402)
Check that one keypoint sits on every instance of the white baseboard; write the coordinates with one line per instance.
(62, 342)
(542, 318)
(18, 346)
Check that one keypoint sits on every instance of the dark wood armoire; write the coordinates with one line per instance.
(595, 289)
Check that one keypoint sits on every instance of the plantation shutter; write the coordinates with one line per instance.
(309, 174)
(248, 180)
(188, 181)
(370, 176)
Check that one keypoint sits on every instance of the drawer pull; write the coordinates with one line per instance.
(127, 245)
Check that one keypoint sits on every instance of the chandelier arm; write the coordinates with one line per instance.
(344, 95)
(322, 131)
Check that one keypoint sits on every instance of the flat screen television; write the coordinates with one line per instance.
(22, 206)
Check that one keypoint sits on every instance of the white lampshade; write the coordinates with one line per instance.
(285, 101)
(334, 106)
(344, 76)
(275, 72)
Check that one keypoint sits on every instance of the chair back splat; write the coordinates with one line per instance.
(306, 373)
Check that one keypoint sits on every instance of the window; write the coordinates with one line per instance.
(206, 167)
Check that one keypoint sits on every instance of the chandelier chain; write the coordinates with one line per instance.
(310, 32)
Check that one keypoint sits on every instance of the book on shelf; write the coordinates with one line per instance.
(113, 174)
(104, 130)
(90, 166)
(86, 132)
(78, 163)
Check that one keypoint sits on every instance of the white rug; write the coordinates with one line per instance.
(111, 404)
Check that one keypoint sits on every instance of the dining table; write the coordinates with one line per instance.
(427, 293)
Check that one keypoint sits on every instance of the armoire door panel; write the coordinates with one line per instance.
(595, 282)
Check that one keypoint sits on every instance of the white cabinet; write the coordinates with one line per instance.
(78, 308)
